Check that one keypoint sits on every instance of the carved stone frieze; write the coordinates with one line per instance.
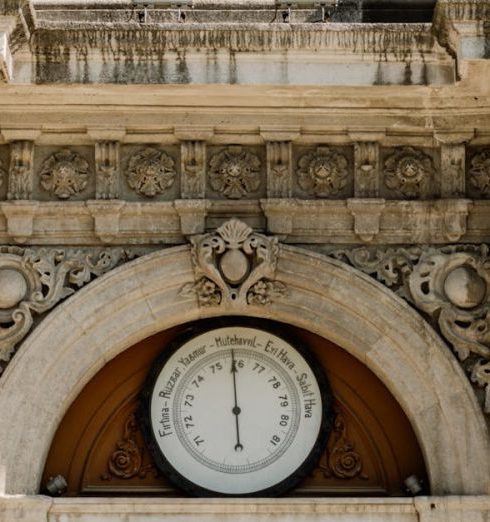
(450, 285)
(234, 266)
(193, 168)
(150, 172)
(34, 280)
(479, 174)
(64, 174)
(279, 169)
(21, 171)
(323, 173)
(408, 172)
(234, 172)
(107, 169)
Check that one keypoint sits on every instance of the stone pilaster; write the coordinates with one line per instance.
(193, 169)
(107, 168)
(21, 170)
(279, 169)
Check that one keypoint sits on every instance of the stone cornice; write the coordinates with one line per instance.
(349, 221)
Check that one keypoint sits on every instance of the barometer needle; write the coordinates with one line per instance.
(236, 410)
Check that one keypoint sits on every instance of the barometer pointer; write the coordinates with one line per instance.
(236, 410)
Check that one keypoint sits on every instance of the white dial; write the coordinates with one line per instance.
(235, 410)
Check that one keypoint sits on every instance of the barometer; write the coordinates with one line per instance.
(236, 410)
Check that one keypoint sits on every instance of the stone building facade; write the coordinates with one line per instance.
(354, 152)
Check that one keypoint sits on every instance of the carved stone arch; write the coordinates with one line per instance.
(324, 296)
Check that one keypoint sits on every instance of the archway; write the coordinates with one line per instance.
(324, 297)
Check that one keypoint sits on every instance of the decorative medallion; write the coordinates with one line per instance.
(408, 171)
(234, 172)
(480, 173)
(234, 266)
(64, 174)
(150, 172)
(323, 173)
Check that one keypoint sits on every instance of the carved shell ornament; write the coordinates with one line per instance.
(480, 173)
(64, 174)
(408, 172)
(323, 173)
(234, 172)
(234, 266)
(150, 172)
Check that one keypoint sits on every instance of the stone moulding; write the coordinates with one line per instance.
(391, 40)
(451, 287)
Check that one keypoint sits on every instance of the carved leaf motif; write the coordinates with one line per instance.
(64, 174)
(408, 172)
(150, 172)
(234, 172)
(323, 173)
(2, 174)
(479, 173)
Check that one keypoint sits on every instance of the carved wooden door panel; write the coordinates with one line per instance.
(99, 448)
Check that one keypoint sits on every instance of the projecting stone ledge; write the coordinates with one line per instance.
(351, 221)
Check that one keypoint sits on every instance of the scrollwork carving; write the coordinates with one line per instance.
(150, 172)
(341, 460)
(64, 174)
(323, 173)
(451, 285)
(479, 173)
(234, 172)
(34, 280)
(234, 266)
(126, 461)
(408, 172)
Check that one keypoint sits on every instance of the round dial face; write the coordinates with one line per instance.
(236, 411)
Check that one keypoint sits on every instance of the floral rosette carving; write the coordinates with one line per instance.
(234, 266)
(234, 172)
(479, 173)
(323, 173)
(150, 172)
(408, 172)
(64, 174)
(454, 290)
